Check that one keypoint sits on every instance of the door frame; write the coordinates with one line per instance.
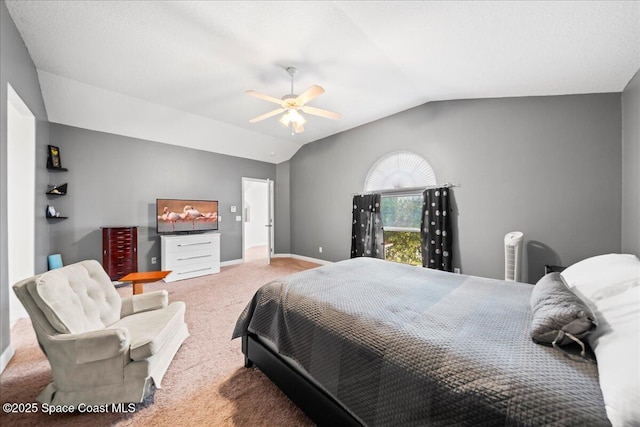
(21, 148)
(270, 215)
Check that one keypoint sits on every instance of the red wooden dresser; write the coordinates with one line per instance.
(119, 251)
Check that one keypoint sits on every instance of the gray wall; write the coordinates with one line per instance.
(115, 180)
(282, 209)
(17, 68)
(547, 166)
(631, 167)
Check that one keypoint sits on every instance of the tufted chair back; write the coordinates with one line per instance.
(77, 298)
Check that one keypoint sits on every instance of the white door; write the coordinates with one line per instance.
(257, 219)
(269, 224)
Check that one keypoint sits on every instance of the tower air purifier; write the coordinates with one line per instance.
(513, 256)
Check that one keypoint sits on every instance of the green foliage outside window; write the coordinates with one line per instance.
(401, 211)
(405, 247)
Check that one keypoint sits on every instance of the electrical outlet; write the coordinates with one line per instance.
(456, 270)
(320, 249)
(154, 260)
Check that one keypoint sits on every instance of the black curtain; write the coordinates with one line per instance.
(435, 229)
(366, 231)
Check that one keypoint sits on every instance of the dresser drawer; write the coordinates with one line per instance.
(113, 243)
(183, 245)
(190, 256)
(120, 263)
(124, 251)
(119, 237)
(192, 270)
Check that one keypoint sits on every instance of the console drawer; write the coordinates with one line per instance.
(190, 256)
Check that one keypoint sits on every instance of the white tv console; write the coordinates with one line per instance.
(190, 255)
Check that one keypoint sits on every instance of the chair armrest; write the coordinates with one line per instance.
(144, 302)
(95, 345)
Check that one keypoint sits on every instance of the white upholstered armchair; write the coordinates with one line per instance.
(102, 348)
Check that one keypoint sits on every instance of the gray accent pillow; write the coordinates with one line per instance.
(558, 311)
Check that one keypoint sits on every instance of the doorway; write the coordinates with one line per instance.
(257, 220)
(21, 152)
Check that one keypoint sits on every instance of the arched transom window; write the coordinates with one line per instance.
(400, 169)
(401, 177)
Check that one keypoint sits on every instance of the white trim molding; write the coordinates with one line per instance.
(303, 258)
(300, 257)
(231, 262)
(6, 357)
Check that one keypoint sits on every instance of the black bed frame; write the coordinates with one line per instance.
(320, 406)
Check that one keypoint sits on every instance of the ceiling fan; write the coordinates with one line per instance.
(292, 104)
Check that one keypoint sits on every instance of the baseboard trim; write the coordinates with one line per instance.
(300, 257)
(232, 262)
(6, 356)
(303, 258)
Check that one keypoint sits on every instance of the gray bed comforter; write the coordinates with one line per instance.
(401, 345)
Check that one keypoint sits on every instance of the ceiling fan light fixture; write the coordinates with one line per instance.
(292, 116)
(285, 119)
(291, 104)
(296, 117)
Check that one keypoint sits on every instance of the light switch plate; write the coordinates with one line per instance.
(238, 217)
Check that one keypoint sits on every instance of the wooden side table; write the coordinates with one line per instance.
(138, 279)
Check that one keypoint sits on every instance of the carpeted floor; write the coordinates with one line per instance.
(206, 384)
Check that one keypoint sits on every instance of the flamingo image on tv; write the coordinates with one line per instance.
(181, 215)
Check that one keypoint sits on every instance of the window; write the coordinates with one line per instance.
(401, 209)
(397, 170)
(401, 223)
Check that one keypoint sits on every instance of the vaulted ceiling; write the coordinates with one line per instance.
(176, 72)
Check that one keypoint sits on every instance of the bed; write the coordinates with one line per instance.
(370, 342)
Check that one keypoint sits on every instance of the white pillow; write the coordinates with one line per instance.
(610, 284)
(594, 277)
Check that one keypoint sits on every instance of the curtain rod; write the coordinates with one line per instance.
(406, 190)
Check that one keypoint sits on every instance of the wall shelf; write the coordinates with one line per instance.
(54, 191)
(57, 190)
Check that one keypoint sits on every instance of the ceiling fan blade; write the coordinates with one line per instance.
(265, 97)
(267, 115)
(322, 113)
(309, 94)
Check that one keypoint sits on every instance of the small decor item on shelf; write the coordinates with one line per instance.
(51, 212)
(53, 159)
(58, 189)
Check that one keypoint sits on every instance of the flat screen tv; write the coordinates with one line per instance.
(186, 216)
